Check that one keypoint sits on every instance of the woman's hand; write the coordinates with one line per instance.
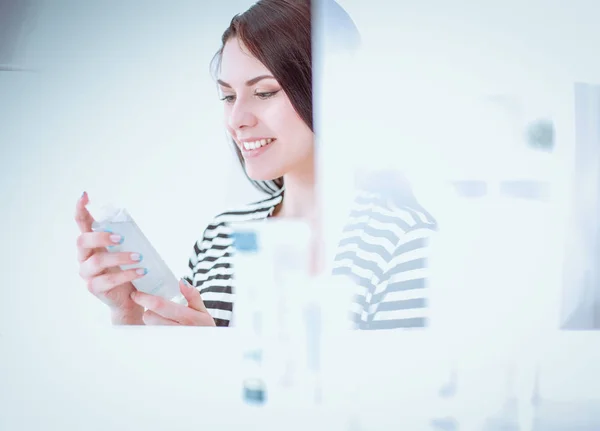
(160, 311)
(101, 269)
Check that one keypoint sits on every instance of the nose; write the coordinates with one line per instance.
(241, 116)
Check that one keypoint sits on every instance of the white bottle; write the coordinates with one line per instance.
(274, 313)
(159, 280)
(251, 272)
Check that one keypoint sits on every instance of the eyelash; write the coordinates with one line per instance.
(262, 96)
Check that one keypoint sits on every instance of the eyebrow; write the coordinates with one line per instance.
(249, 83)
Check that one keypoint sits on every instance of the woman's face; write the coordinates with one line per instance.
(259, 116)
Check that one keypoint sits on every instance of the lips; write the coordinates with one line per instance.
(255, 148)
(256, 144)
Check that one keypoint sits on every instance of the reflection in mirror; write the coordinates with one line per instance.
(376, 230)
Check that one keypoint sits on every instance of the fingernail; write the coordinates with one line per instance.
(82, 195)
(187, 283)
(108, 230)
(136, 256)
(142, 271)
(133, 294)
(117, 239)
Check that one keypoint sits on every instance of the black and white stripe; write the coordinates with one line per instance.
(383, 249)
(211, 269)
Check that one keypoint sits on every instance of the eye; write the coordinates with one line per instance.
(228, 99)
(266, 95)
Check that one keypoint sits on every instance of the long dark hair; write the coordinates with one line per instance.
(278, 34)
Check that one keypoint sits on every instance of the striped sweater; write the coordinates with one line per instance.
(383, 249)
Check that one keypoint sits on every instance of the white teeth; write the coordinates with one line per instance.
(257, 144)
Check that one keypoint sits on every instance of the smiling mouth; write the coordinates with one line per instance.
(255, 145)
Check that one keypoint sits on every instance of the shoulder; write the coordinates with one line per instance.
(379, 215)
(252, 211)
(390, 194)
(218, 232)
(407, 215)
(380, 231)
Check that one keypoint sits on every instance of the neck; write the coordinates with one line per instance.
(300, 202)
(300, 194)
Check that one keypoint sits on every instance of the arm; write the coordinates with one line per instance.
(400, 294)
(210, 271)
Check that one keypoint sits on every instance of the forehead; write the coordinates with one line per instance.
(238, 64)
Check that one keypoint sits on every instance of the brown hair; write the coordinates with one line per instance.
(278, 33)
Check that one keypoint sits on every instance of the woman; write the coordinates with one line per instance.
(264, 73)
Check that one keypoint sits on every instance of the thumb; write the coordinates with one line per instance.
(192, 296)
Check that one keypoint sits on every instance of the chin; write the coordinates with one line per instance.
(262, 174)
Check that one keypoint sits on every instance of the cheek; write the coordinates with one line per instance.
(284, 121)
(226, 114)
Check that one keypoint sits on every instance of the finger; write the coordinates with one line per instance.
(100, 261)
(111, 279)
(83, 218)
(84, 254)
(192, 295)
(84, 221)
(167, 309)
(151, 318)
(87, 241)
